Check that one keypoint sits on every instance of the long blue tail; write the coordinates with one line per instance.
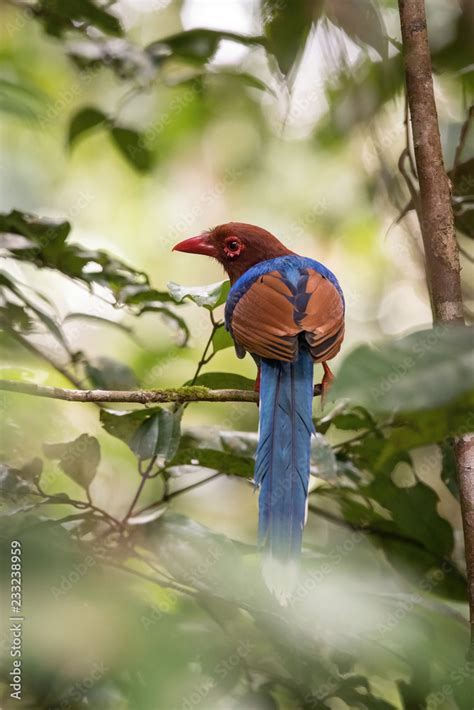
(282, 465)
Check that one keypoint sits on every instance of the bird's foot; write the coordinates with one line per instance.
(326, 383)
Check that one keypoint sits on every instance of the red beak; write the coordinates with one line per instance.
(196, 245)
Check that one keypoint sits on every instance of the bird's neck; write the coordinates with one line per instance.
(235, 269)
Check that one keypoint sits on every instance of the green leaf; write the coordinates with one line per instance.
(50, 250)
(109, 374)
(79, 459)
(424, 369)
(60, 16)
(355, 420)
(414, 510)
(123, 425)
(148, 432)
(355, 509)
(48, 235)
(143, 299)
(421, 566)
(416, 541)
(142, 293)
(197, 45)
(144, 442)
(16, 491)
(223, 380)
(84, 121)
(221, 339)
(287, 26)
(132, 145)
(414, 429)
(209, 296)
(96, 267)
(222, 461)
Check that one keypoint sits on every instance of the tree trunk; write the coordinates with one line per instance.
(438, 232)
(437, 223)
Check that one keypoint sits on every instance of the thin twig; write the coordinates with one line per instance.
(145, 476)
(51, 499)
(174, 494)
(168, 496)
(204, 358)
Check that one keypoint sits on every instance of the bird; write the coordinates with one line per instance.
(287, 311)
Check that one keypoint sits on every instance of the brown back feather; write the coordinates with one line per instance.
(263, 321)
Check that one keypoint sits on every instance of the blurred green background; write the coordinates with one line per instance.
(120, 120)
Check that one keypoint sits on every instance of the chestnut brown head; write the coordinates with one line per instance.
(235, 245)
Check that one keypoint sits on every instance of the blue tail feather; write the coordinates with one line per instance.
(283, 454)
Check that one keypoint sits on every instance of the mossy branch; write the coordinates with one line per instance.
(196, 393)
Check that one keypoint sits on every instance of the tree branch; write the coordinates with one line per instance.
(437, 221)
(180, 394)
(438, 232)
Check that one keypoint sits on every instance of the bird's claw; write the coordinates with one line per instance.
(326, 383)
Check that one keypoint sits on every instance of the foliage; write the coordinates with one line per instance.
(161, 610)
(358, 487)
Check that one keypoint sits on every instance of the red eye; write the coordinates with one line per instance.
(233, 247)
